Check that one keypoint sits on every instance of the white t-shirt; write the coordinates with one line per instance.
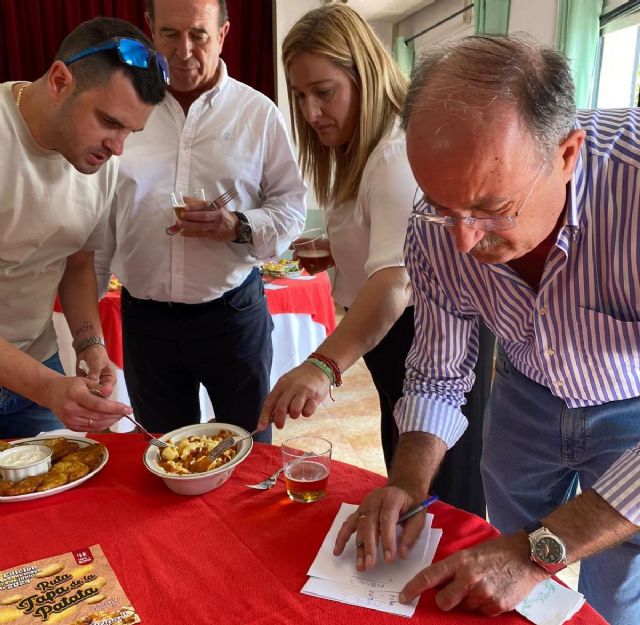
(48, 211)
(368, 234)
(232, 135)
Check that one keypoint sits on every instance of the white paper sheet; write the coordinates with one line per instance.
(377, 588)
(550, 603)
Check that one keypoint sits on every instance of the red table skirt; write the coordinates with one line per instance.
(304, 297)
(109, 309)
(301, 297)
(233, 555)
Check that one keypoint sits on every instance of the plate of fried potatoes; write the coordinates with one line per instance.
(74, 460)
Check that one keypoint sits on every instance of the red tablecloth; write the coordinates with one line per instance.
(302, 297)
(232, 556)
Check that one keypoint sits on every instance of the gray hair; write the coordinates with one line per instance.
(500, 69)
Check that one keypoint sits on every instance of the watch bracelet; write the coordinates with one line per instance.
(80, 346)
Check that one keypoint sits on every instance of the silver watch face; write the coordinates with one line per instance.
(548, 550)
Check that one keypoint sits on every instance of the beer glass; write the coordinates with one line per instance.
(311, 250)
(307, 463)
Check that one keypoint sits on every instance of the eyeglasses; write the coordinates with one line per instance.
(487, 224)
(130, 51)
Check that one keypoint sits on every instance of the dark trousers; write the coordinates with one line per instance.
(458, 481)
(225, 344)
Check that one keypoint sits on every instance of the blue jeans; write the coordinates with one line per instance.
(537, 451)
(20, 417)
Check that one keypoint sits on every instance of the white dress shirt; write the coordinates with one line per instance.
(232, 134)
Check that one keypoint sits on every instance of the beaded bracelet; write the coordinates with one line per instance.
(332, 364)
(326, 370)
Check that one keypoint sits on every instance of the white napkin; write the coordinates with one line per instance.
(61, 432)
(274, 287)
(550, 603)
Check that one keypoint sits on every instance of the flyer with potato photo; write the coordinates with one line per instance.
(76, 588)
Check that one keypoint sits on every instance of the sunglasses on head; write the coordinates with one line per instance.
(130, 51)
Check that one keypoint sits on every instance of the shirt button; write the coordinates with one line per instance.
(543, 311)
(551, 352)
(559, 383)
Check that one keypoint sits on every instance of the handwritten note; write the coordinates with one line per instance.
(550, 603)
(336, 578)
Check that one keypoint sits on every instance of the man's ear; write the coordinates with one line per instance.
(60, 81)
(147, 19)
(569, 150)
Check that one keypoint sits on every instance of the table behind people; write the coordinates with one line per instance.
(302, 311)
(233, 555)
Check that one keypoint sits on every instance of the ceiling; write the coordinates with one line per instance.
(387, 10)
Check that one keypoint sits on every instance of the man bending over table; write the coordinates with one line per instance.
(528, 218)
(55, 133)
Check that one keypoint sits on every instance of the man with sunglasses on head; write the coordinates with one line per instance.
(57, 180)
(193, 304)
(528, 217)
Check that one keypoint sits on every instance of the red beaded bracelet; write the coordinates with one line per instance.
(332, 364)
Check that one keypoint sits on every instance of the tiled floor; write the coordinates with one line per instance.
(351, 423)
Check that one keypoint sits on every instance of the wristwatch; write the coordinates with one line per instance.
(547, 549)
(243, 229)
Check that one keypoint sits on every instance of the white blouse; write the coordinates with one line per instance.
(367, 234)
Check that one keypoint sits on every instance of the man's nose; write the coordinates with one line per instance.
(115, 144)
(466, 237)
(185, 47)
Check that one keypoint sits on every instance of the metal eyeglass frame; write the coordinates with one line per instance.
(487, 224)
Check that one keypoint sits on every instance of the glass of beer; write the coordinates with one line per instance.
(178, 203)
(311, 250)
(307, 462)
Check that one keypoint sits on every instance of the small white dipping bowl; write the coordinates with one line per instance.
(20, 461)
(198, 483)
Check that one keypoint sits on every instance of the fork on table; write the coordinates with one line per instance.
(267, 483)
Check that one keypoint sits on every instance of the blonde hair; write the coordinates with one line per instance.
(344, 38)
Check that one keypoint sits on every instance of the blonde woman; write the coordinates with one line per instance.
(346, 95)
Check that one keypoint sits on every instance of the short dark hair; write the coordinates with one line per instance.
(509, 69)
(222, 17)
(96, 70)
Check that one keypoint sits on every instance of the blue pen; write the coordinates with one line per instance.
(409, 513)
(423, 506)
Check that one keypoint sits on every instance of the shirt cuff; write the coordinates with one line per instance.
(415, 413)
(618, 486)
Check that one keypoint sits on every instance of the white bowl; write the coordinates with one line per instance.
(198, 483)
(20, 461)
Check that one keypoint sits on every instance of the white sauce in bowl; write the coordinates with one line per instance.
(22, 457)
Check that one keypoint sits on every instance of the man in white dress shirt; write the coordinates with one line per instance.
(193, 305)
(57, 180)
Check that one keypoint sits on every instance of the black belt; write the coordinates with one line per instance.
(152, 304)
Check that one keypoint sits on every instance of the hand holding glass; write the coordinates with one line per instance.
(178, 203)
(311, 250)
(307, 462)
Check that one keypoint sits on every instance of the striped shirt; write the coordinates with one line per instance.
(579, 335)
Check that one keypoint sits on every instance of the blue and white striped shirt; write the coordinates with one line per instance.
(579, 335)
